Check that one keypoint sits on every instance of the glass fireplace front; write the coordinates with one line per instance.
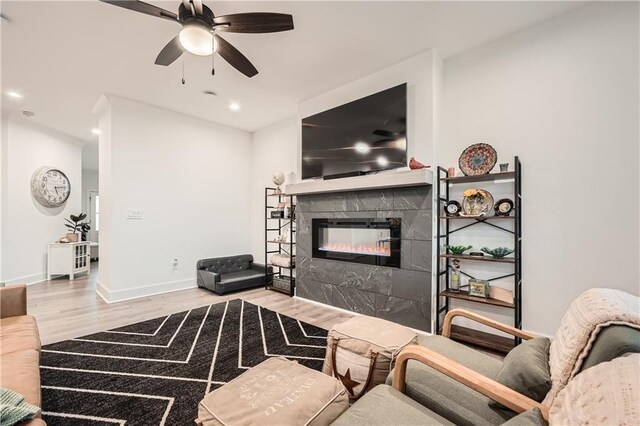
(369, 241)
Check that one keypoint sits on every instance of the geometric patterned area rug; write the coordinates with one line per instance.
(156, 372)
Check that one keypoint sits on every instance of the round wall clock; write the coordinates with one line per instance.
(503, 207)
(50, 187)
(452, 208)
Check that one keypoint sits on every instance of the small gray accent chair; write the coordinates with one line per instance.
(225, 274)
(433, 382)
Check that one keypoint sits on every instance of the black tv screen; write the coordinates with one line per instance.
(365, 135)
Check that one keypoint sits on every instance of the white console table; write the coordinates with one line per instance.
(68, 259)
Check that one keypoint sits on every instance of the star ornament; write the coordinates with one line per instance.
(348, 382)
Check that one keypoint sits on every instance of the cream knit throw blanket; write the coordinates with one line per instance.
(588, 314)
(606, 394)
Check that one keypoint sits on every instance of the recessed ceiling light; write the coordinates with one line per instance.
(14, 95)
(95, 131)
(234, 106)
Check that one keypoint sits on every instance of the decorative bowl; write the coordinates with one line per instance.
(477, 159)
(498, 252)
(458, 249)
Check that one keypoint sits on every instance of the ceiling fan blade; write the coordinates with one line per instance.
(145, 8)
(257, 22)
(170, 52)
(384, 133)
(234, 57)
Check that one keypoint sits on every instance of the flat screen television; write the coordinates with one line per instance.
(366, 135)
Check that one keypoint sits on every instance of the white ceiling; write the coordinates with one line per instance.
(63, 55)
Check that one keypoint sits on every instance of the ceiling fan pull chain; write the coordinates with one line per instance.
(213, 55)
(183, 72)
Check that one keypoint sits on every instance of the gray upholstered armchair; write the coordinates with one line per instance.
(224, 274)
(442, 382)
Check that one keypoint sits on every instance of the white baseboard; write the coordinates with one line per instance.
(144, 291)
(424, 333)
(27, 279)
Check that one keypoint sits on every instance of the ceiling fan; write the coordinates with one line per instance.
(200, 27)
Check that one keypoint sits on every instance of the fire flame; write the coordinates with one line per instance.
(360, 249)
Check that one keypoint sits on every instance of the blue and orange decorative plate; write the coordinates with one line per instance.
(478, 159)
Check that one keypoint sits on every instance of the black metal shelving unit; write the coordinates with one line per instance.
(273, 227)
(447, 225)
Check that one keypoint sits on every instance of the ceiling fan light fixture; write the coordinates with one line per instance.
(197, 39)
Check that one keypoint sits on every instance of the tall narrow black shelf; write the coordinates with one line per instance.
(274, 228)
(447, 225)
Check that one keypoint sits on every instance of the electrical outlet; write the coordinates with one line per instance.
(175, 263)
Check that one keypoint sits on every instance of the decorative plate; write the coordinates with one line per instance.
(503, 207)
(452, 208)
(478, 159)
(476, 202)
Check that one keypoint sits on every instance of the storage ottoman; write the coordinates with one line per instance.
(275, 392)
(361, 352)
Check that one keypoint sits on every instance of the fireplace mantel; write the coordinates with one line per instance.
(396, 179)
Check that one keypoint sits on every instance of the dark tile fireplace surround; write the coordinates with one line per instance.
(400, 293)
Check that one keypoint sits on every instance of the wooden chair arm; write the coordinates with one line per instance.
(476, 381)
(446, 327)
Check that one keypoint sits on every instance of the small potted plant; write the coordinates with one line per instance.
(74, 224)
(84, 230)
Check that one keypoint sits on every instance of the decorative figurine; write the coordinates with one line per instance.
(416, 165)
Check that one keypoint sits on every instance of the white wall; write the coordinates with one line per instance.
(564, 97)
(28, 227)
(191, 180)
(273, 149)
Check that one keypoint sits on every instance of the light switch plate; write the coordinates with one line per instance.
(134, 214)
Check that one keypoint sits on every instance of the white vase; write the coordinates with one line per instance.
(292, 177)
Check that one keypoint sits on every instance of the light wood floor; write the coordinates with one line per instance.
(67, 309)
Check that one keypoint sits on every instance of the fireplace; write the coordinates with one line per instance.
(370, 241)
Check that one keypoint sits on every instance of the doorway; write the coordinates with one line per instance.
(94, 216)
